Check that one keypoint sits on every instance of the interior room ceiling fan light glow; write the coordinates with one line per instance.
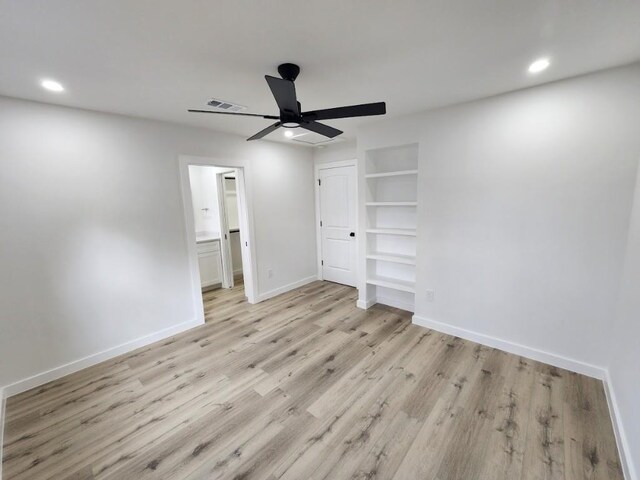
(539, 65)
(52, 85)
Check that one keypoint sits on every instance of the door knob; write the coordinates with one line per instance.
(352, 234)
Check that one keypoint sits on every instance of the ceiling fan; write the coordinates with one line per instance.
(291, 114)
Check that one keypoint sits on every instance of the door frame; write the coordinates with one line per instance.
(245, 218)
(327, 166)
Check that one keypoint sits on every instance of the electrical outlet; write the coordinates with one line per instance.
(270, 273)
(430, 295)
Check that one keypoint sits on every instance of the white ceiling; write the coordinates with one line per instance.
(156, 58)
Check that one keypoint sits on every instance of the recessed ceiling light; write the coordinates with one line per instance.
(288, 133)
(539, 65)
(52, 85)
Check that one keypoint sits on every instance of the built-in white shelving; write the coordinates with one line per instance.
(396, 284)
(396, 173)
(390, 209)
(392, 257)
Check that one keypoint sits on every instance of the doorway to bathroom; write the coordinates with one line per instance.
(218, 232)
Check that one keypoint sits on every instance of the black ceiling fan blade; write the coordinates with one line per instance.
(364, 110)
(270, 117)
(322, 129)
(284, 91)
(266, 131)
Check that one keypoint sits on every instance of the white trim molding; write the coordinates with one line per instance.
(366, 304)
(286, 288)
(515, 348)
(90, 360)
(624, 450)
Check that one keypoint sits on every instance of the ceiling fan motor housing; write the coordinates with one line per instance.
(289, 71)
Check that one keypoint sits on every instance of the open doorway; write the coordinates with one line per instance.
(215, 213)
(218, 231)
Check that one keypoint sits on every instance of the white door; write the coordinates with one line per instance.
(337, 194)
(225, 236)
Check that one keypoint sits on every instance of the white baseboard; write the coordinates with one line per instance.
(365, 304)
(389, 301)
(285, 288)
(618, 429)
(515, 348)
(90, 360)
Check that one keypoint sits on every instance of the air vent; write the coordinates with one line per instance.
(312, 138)
(225, 106)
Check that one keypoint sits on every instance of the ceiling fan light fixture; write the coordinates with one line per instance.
(539, 65)
(52, 85)
(290, 110)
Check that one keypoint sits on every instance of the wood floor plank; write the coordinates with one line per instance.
(588, 452)
(544, 452)
(445, 414)
(511, 422)
(307, 386)
(386, 455)
(343, 460)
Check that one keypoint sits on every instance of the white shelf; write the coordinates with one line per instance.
(394, 283)
(391, 174)
(392, 257)
(408, 232)
(392, 204)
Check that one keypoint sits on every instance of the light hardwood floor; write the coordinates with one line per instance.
(306, 386)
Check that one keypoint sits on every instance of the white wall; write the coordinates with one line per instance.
(624, 367)
(93, 233)
(523, 220)
(335, 152)
(527, 198)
